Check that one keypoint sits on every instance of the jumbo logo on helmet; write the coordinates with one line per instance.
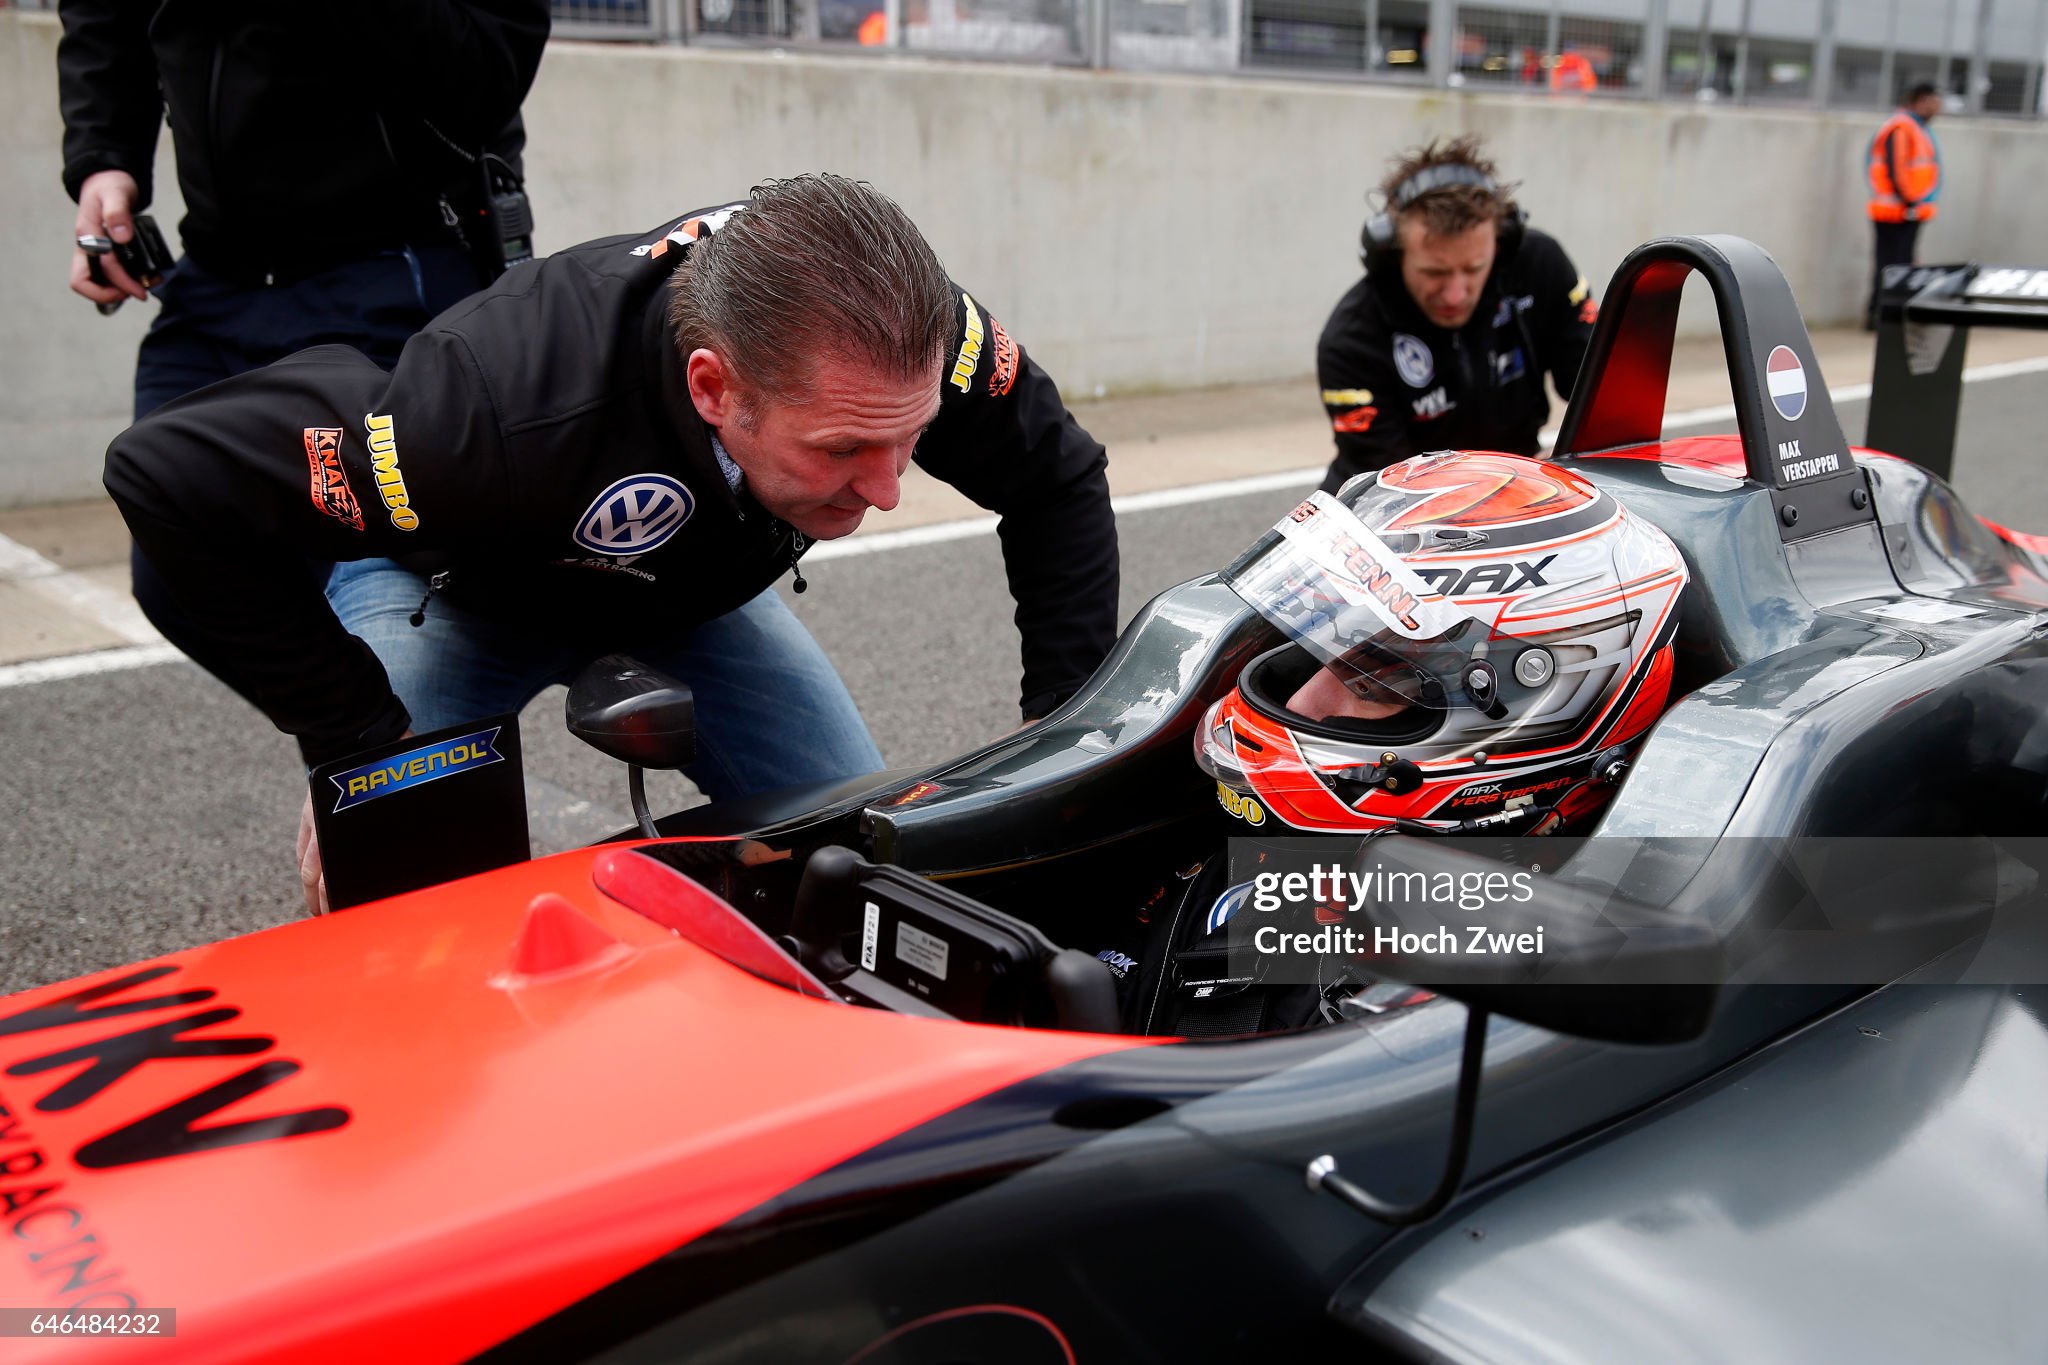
(636, 514)
(1240, 805)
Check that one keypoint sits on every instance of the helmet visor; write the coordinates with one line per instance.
(1339, 592)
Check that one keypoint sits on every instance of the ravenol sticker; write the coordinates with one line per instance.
(331, 494)
(634, 515)
(1226, 907)
(1786, 378)
(416, 767)
(1412, 358)
(970, 349)
(384, 460)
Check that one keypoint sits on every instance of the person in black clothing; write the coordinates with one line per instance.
(323, 151)
(1445, 341)
(620, 448)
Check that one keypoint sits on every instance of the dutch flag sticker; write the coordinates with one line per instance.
(1787, 380)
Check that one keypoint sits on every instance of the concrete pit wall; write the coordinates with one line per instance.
(1137, 231)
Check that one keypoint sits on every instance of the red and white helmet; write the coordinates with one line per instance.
(1499, 623)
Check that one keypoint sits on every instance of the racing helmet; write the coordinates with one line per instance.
(1493, 628)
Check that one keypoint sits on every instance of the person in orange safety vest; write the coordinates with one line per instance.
(1905, 182)
(1573, 71)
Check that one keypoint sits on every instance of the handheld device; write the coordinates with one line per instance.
(144, 256)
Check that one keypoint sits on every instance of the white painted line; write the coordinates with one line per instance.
(940, 532)
(1226, 488)
(1846, 393)
(120, 615)
(934, 534)
(2003, 369)
(116, 611)
(85, 665)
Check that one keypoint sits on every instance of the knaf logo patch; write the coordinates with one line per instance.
(331, 493)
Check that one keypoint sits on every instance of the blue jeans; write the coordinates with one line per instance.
(209, 329)
(771, 709)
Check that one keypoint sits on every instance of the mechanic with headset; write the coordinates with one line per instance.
(1432, 680)
(1444, 342)
(620, 448)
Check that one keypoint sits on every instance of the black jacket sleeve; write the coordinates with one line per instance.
(464, 64)
(107, 91)
(229, 491)
(1004, 437)
(1365, 400)
(1564, 311)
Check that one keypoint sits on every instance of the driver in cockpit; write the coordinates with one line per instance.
(1475, 642)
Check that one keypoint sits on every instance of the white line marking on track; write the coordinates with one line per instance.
(124, 618)
(84, 665)
(116, 611)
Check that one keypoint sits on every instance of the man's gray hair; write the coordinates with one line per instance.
(815, 267)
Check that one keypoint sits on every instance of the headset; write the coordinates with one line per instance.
(1380, 243)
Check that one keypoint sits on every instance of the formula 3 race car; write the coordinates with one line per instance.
(665, 1099)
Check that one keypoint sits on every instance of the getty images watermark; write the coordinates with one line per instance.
(1336, 888)
(1635, 911)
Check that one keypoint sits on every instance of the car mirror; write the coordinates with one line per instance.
(636, 714)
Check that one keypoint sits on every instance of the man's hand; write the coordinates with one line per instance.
(311, 876)
(106, 208)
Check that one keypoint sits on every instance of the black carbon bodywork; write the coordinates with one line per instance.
(1875, 666)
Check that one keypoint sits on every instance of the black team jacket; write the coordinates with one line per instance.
(1395, 384)
(538, 446)
(307, 134)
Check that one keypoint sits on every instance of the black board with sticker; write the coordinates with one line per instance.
(420, 810)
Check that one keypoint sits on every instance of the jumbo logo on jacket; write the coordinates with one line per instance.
(384, 462)
(634, 515)
(970, 348)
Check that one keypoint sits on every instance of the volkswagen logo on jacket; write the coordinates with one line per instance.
(635, 515)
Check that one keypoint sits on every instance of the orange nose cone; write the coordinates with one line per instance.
(558, 940)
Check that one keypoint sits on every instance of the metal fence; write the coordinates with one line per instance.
(1854, 54)
(1986, 55)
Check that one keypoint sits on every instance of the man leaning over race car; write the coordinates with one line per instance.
(1444, 342)
(620, 447)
